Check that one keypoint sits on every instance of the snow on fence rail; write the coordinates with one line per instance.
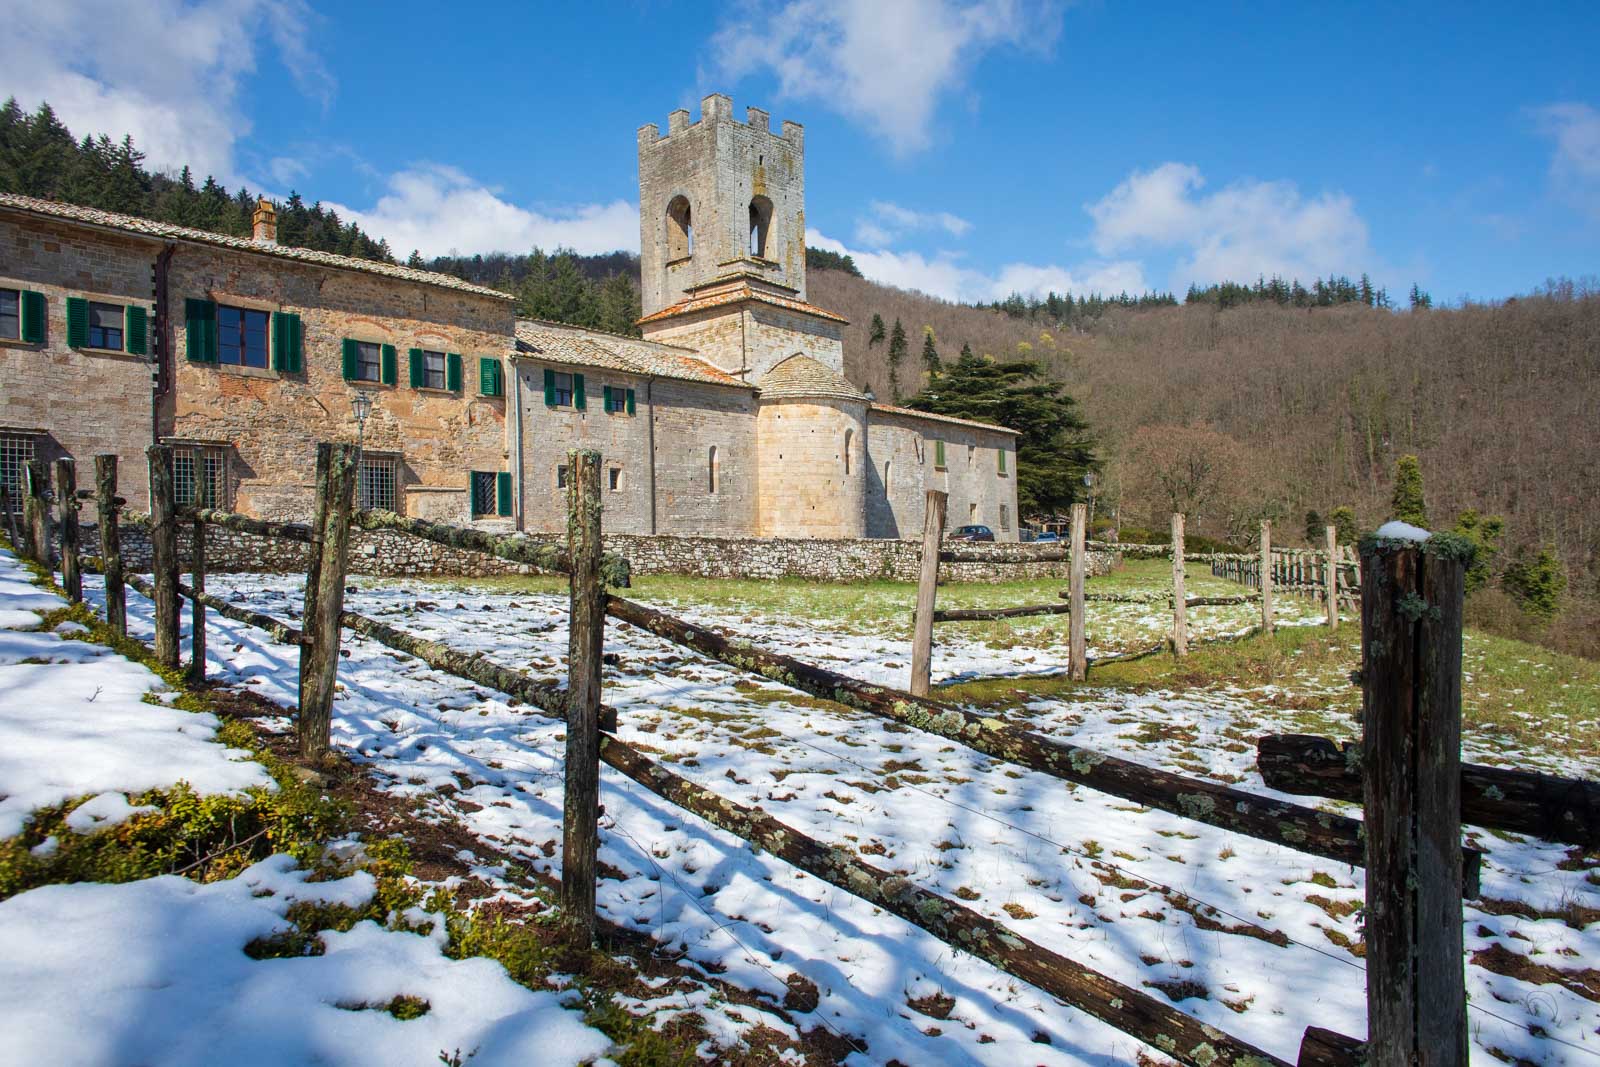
(1411, 788)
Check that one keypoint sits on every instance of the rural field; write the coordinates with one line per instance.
(752, 959)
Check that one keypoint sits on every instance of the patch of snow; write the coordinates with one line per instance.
(1395, 530)
(104, 811)
(154, 972)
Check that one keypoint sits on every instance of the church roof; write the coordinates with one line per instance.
(737, 295)
(913, 413)
(558, 343)
(110, 220)
(802, 376)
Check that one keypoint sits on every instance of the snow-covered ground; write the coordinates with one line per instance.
(1253, 939)
(154, 971)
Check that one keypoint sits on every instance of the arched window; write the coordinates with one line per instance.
(680, 229)
(760, 222)
(711, 471)
(849, 438)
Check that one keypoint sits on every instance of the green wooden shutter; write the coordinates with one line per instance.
(200, 330)
(352, 359)
(489, 376)
(549, 388)
(135, 330)
(419, 373)
(452, 371)
(578, 399)
(391, 369)
(77, 322)
(33, 318)
(1002, 454)
(605, 398)
(297, 342)
(630, 401)
(938, 453)
(502, 485)
(283, 341)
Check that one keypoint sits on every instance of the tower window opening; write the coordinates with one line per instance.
(680, 228)
(849, 437)
(711, 470)
(760, 223)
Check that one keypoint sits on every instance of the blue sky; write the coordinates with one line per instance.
(965, 147)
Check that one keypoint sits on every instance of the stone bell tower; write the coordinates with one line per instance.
(722, 241)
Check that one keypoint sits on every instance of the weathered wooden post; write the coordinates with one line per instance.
(1266, 576)
(324, 598)
(164, 553)
(586, 638)
(1411, 599)
(197, 610)
(36, 512)
(1330, 578)
(67, 522)
(9, 517)
(105, 496)
(1180, 606)
(933, 515)
(1078, 645)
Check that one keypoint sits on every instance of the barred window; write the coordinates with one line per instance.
(16, 452)
(200, 477)
(378, 487)
(484, 495)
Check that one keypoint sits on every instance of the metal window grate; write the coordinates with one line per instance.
(484, 496)
(200, 477)
(16, 452)
(378, 485)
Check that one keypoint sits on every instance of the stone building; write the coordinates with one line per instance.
(730, 417)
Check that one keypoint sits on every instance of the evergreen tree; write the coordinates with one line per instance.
(1343, 521)
(1484, 531)
(897, 356)
(1407, 503)
(930, 353)
(966, 350)
(1055, 448)
(415, 260)
(875, 332)
(1420, 300)
(1536, 583)
(1315, 527)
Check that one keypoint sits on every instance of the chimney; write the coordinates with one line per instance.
(264, 223)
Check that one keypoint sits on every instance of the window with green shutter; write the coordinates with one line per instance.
(483, 492)
(503, 493)
(200, 330)
(391, 365)
(419, 373)
(452, 374)
(578, 400)
(352, 360)
(137, 328)
(77, 322)
(10, 314)
(286, 343)
(34, 318)
(549, 388)
(490, 382)
(1001, 452)
(938, 455)
(630, 401)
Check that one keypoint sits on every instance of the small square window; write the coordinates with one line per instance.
(563, 390)
(614, 478)
(378, 487)
(10, 314)
(561, 476)
(105, 326)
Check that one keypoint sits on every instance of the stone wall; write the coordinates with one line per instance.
(388, 554)
(810, 485)
(902, 466)
(690, 419)
(108, 393)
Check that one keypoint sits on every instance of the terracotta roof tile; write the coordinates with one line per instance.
(558, 343)
(147, 228)
(915, 414)
(738, 295)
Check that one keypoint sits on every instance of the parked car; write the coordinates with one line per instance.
(972, 533)
(1048, 535)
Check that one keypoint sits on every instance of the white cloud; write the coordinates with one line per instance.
(165, 71)
(944, 275)
(885, 222)
(439, 210)
(1243, 230)
(884, 64)
(1575, 166)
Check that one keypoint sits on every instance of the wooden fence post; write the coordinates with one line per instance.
(36, 512)
(1266, 576)
(586, 639)
(164, 554)
(8, 516)
(1411, 600)
(67, 521)
(1180, 606)
(1078, 645)
(197, 610)
(933, 516)
(319, 658)
(105, 493)
(1330, 579)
